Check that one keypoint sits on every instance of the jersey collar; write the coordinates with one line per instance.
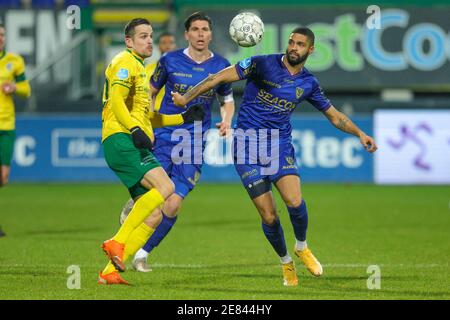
(2, 54)
(136, 56)
(287, 70)
(186, 53)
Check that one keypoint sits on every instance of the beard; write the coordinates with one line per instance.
(296, 61)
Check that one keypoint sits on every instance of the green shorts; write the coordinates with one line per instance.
(129, 163)
(7, 139)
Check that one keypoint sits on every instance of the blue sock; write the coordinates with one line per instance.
(160, 232)
(299, 220)
(275, 235)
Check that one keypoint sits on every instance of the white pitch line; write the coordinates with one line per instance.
(203, 266)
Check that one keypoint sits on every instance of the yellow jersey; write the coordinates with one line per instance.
(127, 70)
(150, 68)
(12, 69)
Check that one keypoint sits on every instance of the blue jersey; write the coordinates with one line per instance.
(272, 93)
(179, 73)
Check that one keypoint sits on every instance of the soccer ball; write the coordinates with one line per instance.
(246, 29)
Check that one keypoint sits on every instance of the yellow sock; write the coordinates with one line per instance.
(136, 240)
(141, 209)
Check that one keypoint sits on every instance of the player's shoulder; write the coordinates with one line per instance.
(125, 59)
(175, 54)
(220, 59)
(151, 66)
(13, 56)
(306, 74)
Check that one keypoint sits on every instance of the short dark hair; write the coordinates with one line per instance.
(129, 28)
(306, 32)
(164, 34)
(197, 16)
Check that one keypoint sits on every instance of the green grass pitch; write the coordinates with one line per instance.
(217, 249)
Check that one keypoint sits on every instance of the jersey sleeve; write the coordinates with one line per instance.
(247, 68)
(122, 74)
(159, 77)
(19, 70)
(225, 88)
(318, 98)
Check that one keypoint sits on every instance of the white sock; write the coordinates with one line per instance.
(300, 245)
(286, 259)
(141, 254)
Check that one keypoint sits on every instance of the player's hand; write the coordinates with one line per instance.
(8, 87)
(178, 99)
(194, 113)
(224, 128)
(368, 143)
(140, 139)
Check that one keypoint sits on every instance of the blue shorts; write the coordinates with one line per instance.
(184, 176)
(258, 173)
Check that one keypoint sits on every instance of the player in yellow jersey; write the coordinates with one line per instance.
(127, 139)
(12, 82)
(166, 43)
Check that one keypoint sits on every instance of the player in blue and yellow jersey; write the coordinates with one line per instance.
(127, 139)
(166, 43)
(178, 71)
(276, 85)
(12, 82)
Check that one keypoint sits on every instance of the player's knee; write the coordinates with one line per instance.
(293, 202)
(268, 216)
(171, 206)
(270, 220)
(166, 188)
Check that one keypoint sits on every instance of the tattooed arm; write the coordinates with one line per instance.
(226, 75)
(343, 123)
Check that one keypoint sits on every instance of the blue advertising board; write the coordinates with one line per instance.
(68, 148)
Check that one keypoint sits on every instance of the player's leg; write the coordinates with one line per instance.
(7, 139)
(184, 176)
(142, 174)
(4, 178)
(290, 191)
(159, 187)
(264, 202)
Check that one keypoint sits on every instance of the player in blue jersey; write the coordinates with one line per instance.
(276, 85)
(179, 71)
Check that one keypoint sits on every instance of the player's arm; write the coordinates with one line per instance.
(194, 113)
(226, 113)
(20, 86)
(119, 93)
(343, 123)
(226, 75)
(153, 93)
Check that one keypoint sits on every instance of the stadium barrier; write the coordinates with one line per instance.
(68, 148)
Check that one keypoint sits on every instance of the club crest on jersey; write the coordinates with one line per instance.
(9, 66)
(244, 64)
(122, 74)
(299, 92)
(290, 160)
